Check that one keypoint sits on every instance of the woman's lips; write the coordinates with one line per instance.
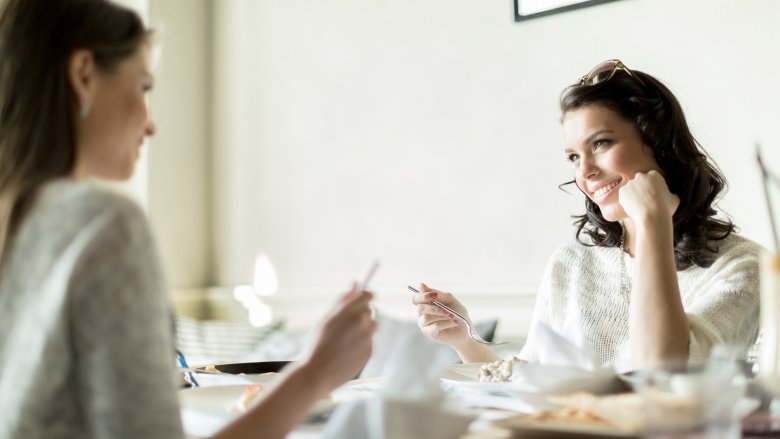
(605, 189)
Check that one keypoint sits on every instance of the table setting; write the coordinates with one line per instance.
(418, 395)
(460, 407)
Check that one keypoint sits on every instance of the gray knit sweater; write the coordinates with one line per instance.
(585, 292)
(86, 346)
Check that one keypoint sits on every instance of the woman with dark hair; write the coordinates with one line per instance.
(653, 275)
(86, 349)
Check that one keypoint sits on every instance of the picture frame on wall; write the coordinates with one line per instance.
(530, 9)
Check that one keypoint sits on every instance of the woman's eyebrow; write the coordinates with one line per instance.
(589, 138)
(596, 134)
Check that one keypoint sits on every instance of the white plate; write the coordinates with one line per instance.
(206, 410)
(464, 376)
(461, 379)
(527, 425)
(466, 371)
(534, 379)
(357, 389)
(226, 379)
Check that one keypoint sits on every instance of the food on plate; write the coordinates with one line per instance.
(211, 369)
(249, 396)
(624, 411)
(568, 414)
(496, 372)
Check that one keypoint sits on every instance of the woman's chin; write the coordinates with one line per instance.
(612, 214)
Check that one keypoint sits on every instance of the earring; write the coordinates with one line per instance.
(85, 107)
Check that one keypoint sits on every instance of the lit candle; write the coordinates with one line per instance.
(266, 282)
(250, 296)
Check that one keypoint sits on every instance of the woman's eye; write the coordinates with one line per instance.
(147, 83)
(571, 158)
(601, 143)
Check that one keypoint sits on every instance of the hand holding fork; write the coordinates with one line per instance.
(440, 318)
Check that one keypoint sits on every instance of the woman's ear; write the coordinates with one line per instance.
(82, 75)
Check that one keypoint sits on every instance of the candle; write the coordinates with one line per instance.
(250, 296)
(266, 282)
(769, 357)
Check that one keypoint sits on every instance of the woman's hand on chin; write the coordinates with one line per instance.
(646, 198)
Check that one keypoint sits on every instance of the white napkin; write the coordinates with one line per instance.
(564, 366)
(413, 370)
(554, 349)
(409, 405)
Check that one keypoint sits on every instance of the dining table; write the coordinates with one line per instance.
(488, 408)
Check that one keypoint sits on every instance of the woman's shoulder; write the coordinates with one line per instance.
(83, 201)
(736, 239)
(735, 248)
(66, 210)
(738, 245)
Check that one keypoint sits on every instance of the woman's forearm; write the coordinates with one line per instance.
(658, 326)
(474, 352)
(281, 410)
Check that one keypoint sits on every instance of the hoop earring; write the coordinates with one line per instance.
(86, 106)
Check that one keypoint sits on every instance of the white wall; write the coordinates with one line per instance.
(179, 177)
(426, 134)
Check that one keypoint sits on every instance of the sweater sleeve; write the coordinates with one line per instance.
(724, 309)
(541, 314)
(121, 331)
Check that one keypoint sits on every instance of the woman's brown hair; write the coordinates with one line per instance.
(38, 107)
(689, 172)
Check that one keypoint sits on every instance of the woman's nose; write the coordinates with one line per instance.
(151, 128)
(587, 167)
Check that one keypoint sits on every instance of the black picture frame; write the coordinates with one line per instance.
(576, 4)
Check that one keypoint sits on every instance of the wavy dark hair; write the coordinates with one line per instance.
(38, 107)
(689, 172)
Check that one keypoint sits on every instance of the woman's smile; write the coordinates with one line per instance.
(602, 190)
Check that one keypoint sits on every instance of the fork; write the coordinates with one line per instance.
(473, 334)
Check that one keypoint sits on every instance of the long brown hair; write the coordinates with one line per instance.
(688, 170)
(38, 107)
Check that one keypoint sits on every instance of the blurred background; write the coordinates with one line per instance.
(300, 140)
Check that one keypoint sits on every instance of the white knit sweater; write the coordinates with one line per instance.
(582, 298)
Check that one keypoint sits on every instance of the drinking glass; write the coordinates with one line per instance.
(692, 400)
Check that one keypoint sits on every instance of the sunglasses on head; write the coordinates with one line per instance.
(605, 71)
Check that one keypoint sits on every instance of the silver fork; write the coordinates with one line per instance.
(472, 332)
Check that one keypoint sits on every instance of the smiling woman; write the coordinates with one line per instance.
(654, 276)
